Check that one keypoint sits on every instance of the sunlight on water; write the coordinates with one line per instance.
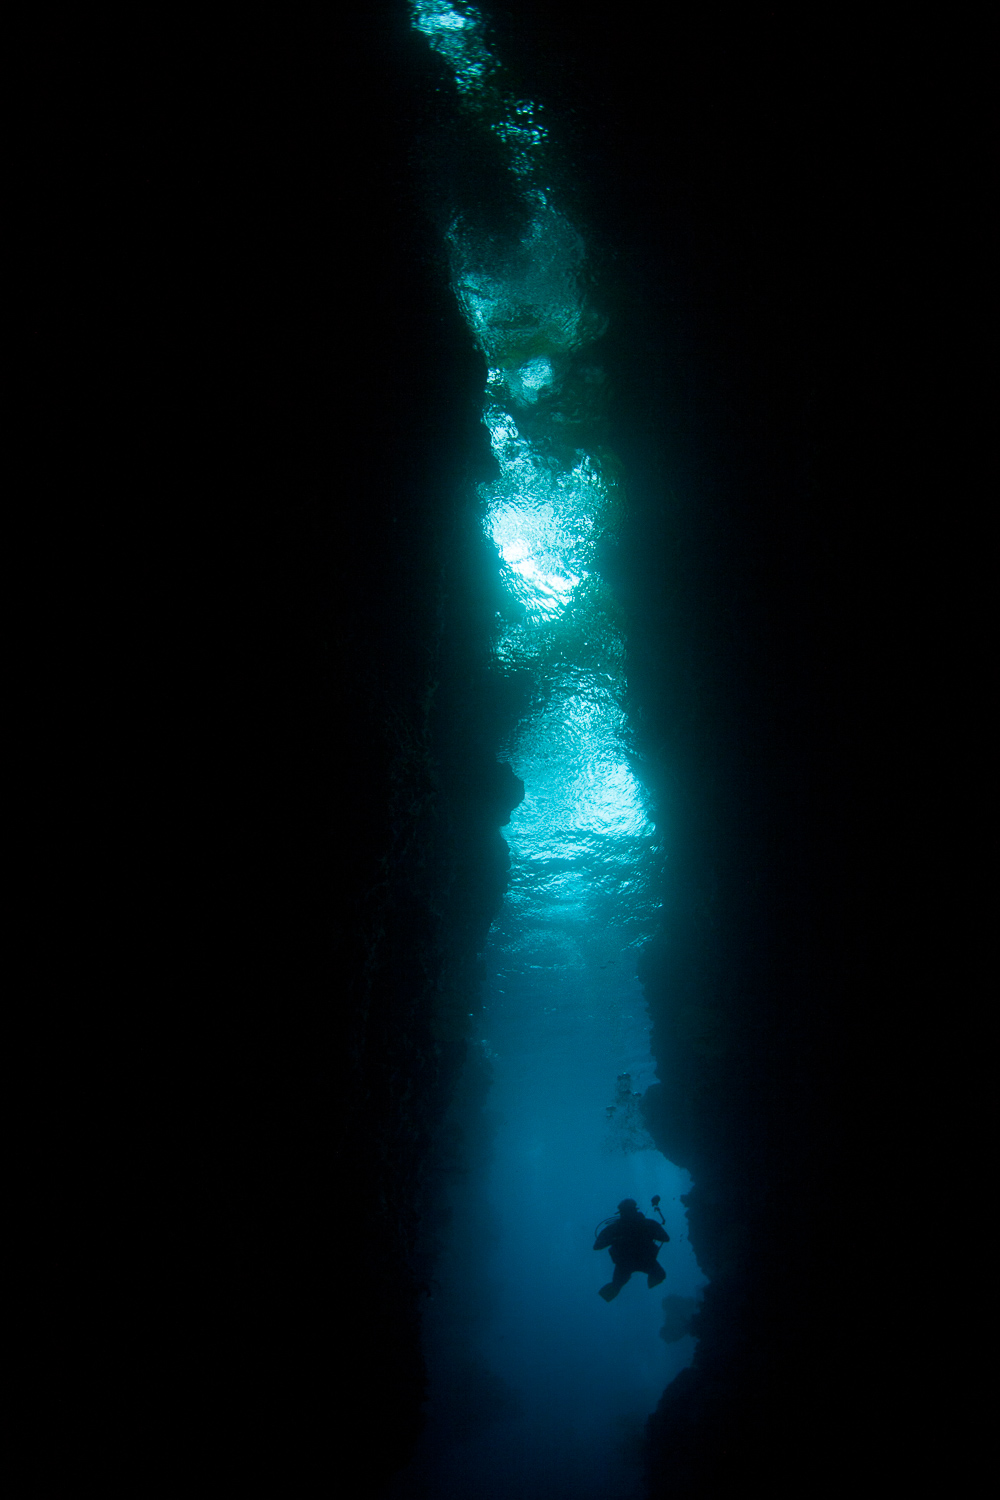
(542, 517)
(457, 32)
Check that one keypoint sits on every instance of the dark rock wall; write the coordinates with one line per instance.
(286, 787)
(737, 196)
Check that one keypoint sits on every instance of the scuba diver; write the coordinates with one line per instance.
(633, 1241)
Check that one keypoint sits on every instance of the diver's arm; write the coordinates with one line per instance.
(605, 1237)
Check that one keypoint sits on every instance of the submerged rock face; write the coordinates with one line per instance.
(678, 1313)
(303, 850)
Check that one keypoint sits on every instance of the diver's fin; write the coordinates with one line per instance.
(609, 1292)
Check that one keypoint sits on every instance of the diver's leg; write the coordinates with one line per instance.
(656, 1274)
(614, 1286)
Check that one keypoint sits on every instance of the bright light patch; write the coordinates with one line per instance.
(527, 294)
(541, 575)
(582, 800)
(541, 517)
(457, 33)
(533, 379)
(536, 374)
(457, 36)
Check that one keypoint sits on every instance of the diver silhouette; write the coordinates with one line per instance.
(634, 1242)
